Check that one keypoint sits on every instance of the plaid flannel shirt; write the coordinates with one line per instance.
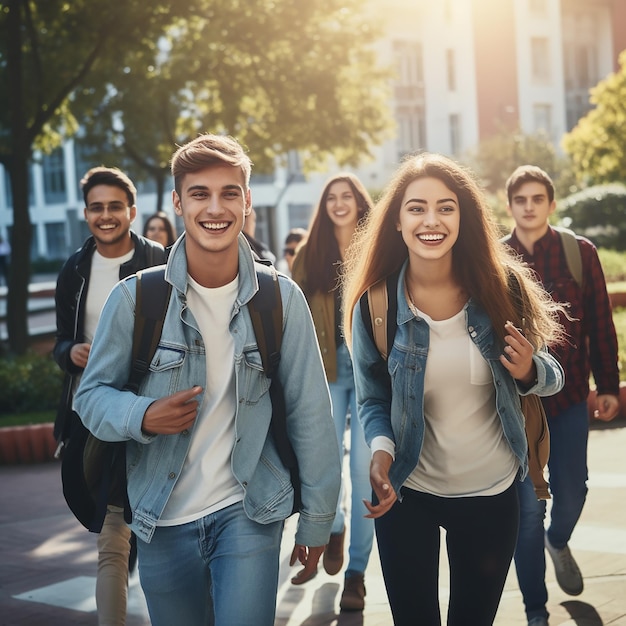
(591, 344)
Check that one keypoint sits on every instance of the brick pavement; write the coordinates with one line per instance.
(47, 560)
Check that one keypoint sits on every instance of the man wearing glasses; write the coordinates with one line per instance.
(110, 253)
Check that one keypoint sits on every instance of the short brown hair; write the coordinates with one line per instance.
(206, 150)
(528, 174)
(111, 176)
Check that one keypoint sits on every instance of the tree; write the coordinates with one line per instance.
(144, 76)
(284, 76)
(49, 48)
(596, 143)
(496, 157)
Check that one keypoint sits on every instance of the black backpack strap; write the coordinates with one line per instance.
(151, 302)
(266, 312)
(153, 295)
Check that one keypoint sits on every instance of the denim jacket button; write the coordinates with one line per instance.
(185, 432)
(171, 475)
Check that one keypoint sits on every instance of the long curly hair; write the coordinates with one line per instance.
(489, 271)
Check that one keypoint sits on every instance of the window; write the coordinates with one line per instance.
(540, 59)
(299, 215)
(455, 133)
(451, 67)
(542, 118)
(53, 166)
(411, 129)
(409, 63)
(55, 240)
(539, 7)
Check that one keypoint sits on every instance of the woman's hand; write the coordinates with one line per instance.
(379, 478)
(518, 355)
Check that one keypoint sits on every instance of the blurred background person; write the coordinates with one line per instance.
(317, 266)
(294, 237)
(159, 227)
(260, 249)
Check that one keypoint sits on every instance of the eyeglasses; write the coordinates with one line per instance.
(98, 208)
(289, 252)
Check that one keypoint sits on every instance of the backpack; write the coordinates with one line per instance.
(94, 471)
(571, 249)
(379, 312)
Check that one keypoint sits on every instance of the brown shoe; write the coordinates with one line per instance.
(333, 554)
(353, 596)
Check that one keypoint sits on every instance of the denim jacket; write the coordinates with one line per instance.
(155, 462)
(391, 403)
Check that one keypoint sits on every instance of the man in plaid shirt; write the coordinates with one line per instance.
(591, 346)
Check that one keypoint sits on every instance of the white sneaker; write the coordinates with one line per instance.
(538, 621)
(567, 572)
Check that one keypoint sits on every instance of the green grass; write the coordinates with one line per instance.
(616, 287)
(25, 419)
(619, 319)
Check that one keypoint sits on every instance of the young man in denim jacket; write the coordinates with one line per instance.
(207, 489)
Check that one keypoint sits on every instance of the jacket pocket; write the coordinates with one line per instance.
(255, 383)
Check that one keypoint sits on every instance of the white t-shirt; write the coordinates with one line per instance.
(465, 452)
(104, 275)
(206, 483)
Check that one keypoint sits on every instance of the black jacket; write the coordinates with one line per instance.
(70, 299)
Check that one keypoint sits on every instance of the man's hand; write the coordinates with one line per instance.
(79, 353)
(607, 407)
(172, 414)
(309, 557)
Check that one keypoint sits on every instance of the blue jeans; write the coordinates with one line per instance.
(220, 569)
(569, 431)
(342, 395)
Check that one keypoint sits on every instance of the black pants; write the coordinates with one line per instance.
(481, 533)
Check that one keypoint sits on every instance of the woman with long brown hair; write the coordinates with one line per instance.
(343, 205)
(442, 414)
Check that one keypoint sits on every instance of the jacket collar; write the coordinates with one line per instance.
(176, 270)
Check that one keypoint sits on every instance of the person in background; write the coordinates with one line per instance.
(5, 257)
(442, 414)
(112, 252)
(159, 227)
(294, 237)
(259, 248)
(591, 347)
(343, 205)
(206, 485)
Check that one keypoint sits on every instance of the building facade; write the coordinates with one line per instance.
(464, 69)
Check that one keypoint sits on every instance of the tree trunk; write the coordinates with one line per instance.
(17, 298)
(19, 278)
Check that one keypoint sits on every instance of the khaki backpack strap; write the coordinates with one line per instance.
(572, 253)
(378, 300)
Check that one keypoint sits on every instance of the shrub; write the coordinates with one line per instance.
(613, 264)
(29, 382)
(599, 213)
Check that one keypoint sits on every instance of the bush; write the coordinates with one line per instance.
(30, 382)
(613, 264)
(598, 213)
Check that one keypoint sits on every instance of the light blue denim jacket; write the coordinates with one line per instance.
(397, 411)
(155, 462)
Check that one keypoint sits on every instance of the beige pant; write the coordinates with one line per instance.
(112, 581)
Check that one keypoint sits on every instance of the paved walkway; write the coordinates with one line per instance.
(47, 560)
